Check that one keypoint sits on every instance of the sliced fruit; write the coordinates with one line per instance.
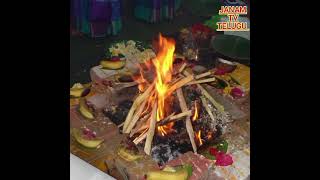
(89, 143)
(178, 168)
(84, 109)
(80, 90)
(76, 92)
(181, 174)
(114, 65)
(169, 169)
(127, 154)
(74, 101)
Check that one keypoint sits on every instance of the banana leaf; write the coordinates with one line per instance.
(231, 46)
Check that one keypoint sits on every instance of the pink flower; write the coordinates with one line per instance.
(237, 93)
(223, 159)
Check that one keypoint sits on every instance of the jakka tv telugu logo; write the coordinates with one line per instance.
(233, 23)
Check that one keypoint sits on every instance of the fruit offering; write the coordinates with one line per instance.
(86, 137)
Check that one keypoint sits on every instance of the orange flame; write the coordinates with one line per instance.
(163, 70)
(163, 66)
(198, 137)
(196, 114)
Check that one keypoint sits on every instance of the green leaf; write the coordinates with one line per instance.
(223, 146)
(188, 167)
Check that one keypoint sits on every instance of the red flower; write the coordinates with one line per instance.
(220, 72)
(213, 151)
(223, 159)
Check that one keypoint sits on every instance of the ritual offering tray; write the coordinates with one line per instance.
(152, 113)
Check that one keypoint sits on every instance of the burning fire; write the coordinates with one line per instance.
(163, 70)
(163, 66)
(196, 114)
(198, 137)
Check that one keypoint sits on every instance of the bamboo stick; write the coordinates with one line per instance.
(182, 67)
(183, 106)
(136, 117)
(142, 136)
(152, 127)
(142, 124)
(135, 104)
(180, 83)
(174, 118)
(205, 105)
(208, 96)
(120, 125)
(202, 81)
(203, 75)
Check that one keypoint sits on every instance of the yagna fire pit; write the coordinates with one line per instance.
(173, 113)
(163, 113)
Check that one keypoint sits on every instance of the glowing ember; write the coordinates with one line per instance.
(198, 137)
(209, 136)
(196, 114)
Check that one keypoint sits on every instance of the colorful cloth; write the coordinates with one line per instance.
(233, 3)
(156, 10)
(96, 18)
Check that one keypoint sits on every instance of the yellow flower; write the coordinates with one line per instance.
(227, 90)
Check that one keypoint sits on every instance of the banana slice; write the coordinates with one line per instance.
(113, 65)
(166, 175)
(89, 143)
(126, 155)
(181, 172)
(84, 109)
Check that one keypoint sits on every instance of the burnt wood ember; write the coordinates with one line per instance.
(170, 147)
(117, 114)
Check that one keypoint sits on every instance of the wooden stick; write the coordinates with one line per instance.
(203, 75)
(202, 81)
(135, 104)
(180, 83)
(205, 105)
(168, 117)
(142, 124)
(120, 125)
(174, 118)
(152, 127)
(136, 117)
(140, 138)
(183, 106)
(182, 67)
(208, 96)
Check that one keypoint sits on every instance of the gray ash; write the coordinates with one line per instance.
(162, 153)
